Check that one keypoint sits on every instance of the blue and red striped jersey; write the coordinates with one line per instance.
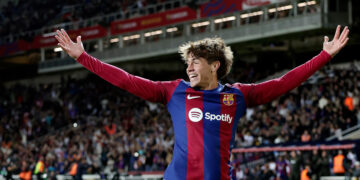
(204, 124)
(204, 121)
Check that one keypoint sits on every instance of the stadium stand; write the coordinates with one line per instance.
(40, 17)
(117, 132)
(109, 133)
(310, 113)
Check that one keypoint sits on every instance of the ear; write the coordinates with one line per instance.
(215, 66)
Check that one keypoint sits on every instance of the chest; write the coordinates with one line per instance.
(210, 107)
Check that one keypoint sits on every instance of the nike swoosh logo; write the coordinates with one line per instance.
(192, 97)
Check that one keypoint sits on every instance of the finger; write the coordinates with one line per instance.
(59, 34)
(78, 40)
(344, 43)
(343, 38)
(67, 38)
(60, 40)
(343, 34)
(326, 39)
(63, 47)
(337, 33)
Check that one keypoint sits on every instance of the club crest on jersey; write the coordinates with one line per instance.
(228, 99)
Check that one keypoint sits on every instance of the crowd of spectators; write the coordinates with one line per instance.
(17, 17)
(98, 123)
(323, 106)
(108, 130)
(21, 16)
(123, 9)
(290, 164)
(314, 111)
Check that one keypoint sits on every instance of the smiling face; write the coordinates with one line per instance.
(202, 74)
(213, 50)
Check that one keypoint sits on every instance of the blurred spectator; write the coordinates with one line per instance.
(267, 173)
(25, 173)
(315, 166)
(39, 168)
(356, 171)
(305, 137)
(324, 164)
(282, 167)
(110, 128)
(338, 164)
(349, 103)
(295, 162)
(306, 173)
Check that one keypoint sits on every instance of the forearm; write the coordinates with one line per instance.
(112, 74)
(138, 86)
(267, 91)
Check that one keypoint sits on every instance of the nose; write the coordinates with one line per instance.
(190, 67)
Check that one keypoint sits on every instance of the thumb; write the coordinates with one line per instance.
(78, 40)
(326, 39)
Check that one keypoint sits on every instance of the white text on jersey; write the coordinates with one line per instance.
(222, 117)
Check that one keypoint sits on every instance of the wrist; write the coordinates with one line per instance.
(83, 53)
(329, 53)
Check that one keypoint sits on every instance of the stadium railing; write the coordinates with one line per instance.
(335, 178)
(346, 134)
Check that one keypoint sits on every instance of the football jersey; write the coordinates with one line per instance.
(204, 121)
(204, 124)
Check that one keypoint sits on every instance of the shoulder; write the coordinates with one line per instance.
(240, 86)
(170, 83)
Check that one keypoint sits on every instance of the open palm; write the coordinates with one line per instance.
(73, 49)
(339, 41)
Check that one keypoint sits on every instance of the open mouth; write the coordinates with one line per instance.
(192, 76)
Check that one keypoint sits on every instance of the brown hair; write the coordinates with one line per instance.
(211, 49)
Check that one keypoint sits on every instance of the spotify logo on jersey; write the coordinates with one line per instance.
(195, 115)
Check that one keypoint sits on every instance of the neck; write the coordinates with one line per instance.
(211, 85)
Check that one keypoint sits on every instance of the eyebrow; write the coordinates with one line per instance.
(191, 58)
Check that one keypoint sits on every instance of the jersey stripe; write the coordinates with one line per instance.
(177, 168)
(211, 136)
(226, 133)
(240, 111)
(195, 146)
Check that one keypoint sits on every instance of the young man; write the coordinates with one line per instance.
(204, 112)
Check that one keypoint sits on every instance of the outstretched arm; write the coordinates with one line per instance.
(144, 88)
(262, 93)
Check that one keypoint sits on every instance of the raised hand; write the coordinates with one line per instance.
(73, 49)
(339, 41)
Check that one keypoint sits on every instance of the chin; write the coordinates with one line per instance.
(193, 84)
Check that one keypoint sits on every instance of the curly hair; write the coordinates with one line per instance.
(211, 49)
